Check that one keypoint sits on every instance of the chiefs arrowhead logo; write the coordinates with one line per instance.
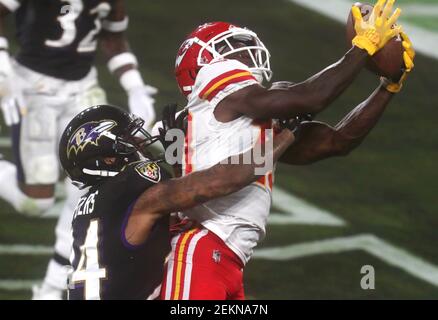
(183, 50)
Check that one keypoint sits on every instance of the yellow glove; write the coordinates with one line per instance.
(408, 58)
(372, 35)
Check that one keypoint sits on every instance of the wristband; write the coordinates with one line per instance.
(121, 60)
(115, 26)
(4, 43)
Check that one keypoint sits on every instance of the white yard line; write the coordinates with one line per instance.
(420, 9)
(298, 211)
(14, 285)
(5, 142)
(371, 244)
(425, 41)
(20, 249)
(27, 250)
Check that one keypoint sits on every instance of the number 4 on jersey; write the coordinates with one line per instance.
(88, 270)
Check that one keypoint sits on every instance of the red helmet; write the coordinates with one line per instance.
(205, 44)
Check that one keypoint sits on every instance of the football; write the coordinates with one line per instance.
(388, 61)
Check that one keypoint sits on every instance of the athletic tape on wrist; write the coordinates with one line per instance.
(115, 26)
(4, 43)
(121, 60)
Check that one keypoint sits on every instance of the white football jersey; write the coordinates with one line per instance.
(238, 219)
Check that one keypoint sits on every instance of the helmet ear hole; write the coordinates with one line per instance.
(109, 160)
(193, 73)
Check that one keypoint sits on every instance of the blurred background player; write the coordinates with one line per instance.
(49, 81)
(220, 68)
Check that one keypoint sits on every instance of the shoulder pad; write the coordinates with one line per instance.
(216, 76)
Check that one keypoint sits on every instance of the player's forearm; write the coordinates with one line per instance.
(317, 141)
(3, 13)
(124, 65)
(356, 125)
(314, 142)
(2, 25)
(308, 97)
(115, 48)
(224, 179)
(220, 180)
(328, 84)
(113, 45)
(229, 178)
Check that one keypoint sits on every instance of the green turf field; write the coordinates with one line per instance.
(425, 16)
(386, 188)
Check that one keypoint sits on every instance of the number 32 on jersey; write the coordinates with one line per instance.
(67, 18)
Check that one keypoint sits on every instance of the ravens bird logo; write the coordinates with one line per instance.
(88, 133)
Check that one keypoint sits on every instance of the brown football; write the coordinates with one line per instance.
(386, 62)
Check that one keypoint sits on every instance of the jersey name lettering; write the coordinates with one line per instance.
(86, 205)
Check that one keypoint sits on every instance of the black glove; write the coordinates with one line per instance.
(294, 123)
(170, 122)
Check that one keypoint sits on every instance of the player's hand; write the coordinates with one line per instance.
(408, 58)
(141, 103)
(13, 107)
(172, 121)
(6, 71)
(12, 101)
(373, 34)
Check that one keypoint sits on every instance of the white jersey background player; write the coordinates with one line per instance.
(220, 69)
(48, 82)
